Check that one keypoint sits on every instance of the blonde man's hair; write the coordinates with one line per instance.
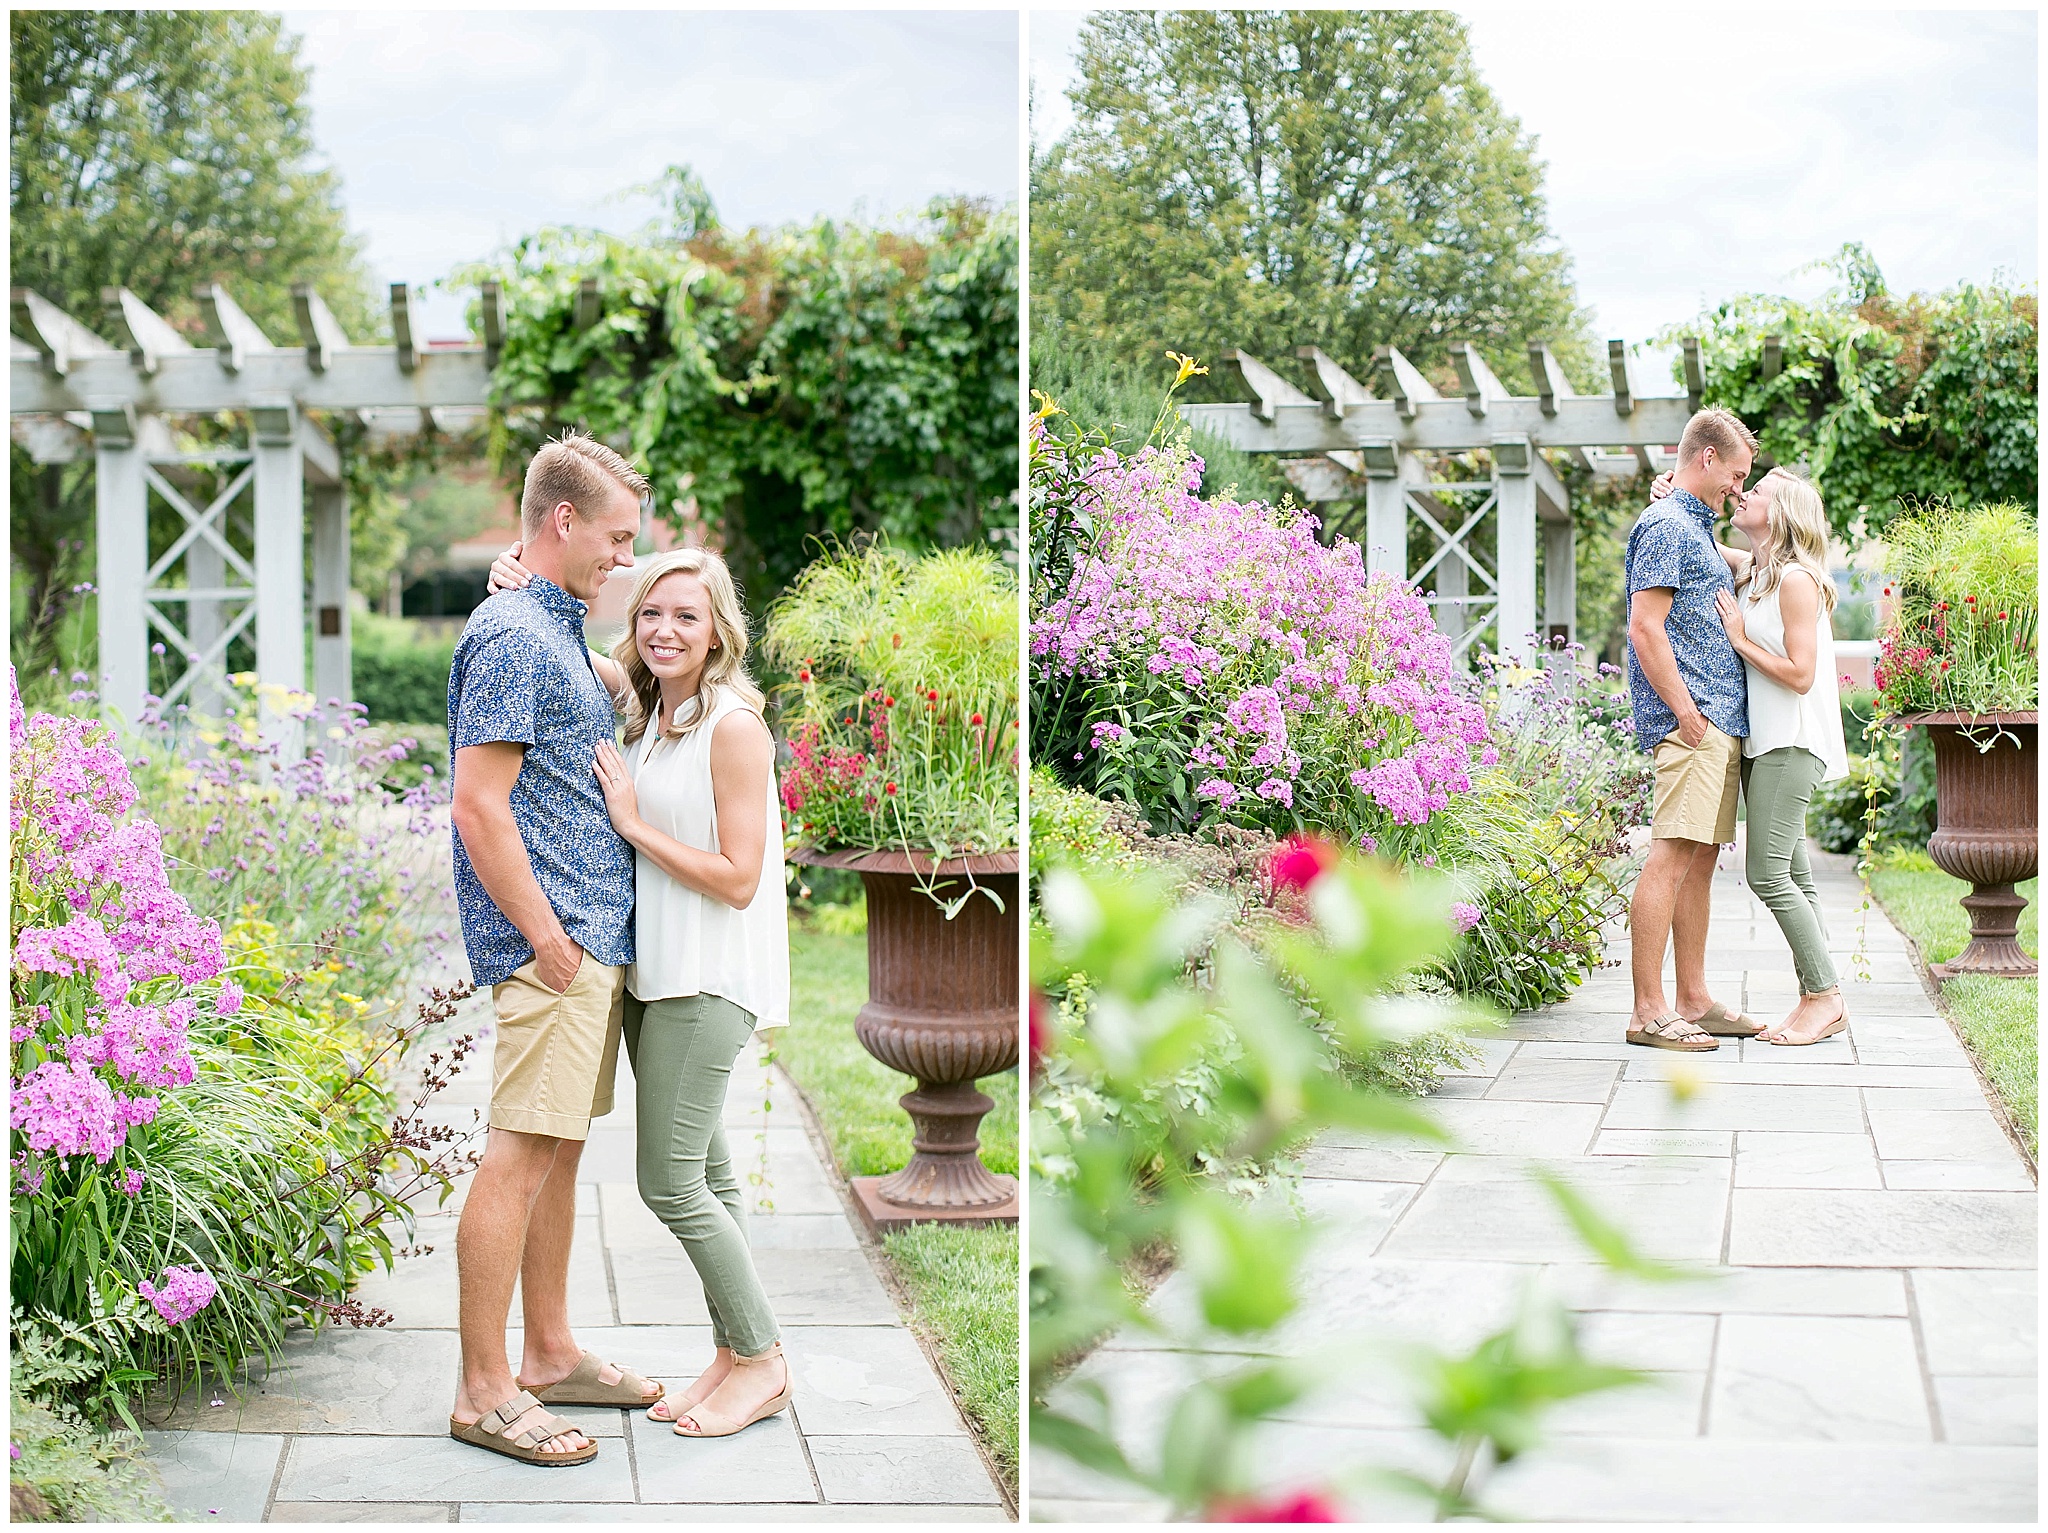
(575, 467)
(1795, 537)
(1721, 430)
(724, 668)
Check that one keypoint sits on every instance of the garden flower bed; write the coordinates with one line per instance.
(1214, 664)
(213, 953)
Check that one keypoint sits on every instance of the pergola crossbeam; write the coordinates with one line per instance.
(235, 336)
(1349, 443)
(146, 334)
(65, 379)
(1266, 386)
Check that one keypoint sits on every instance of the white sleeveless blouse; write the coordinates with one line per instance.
(1778, 716)
(688, 943)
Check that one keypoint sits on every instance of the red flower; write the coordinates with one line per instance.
(1972, 600)
(932, 696)
(888, 702)
(2001, 617)
(1302, 1506)
(1300, 861)
(803, 675)
(890, 789)
(975, 720)
(896, 641)
(1041, 1034)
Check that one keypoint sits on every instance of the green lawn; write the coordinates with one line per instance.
(962, 1282)
(1998, 1018)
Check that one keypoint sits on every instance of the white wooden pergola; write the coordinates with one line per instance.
(237, 564)
(1351, 442)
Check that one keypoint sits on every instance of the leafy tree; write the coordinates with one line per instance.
(161, 149)
(1885, 399)
(783, 384)
(157, 150)
(1269, 179)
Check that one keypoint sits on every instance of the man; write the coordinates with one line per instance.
(545, 887)
(1691, 712)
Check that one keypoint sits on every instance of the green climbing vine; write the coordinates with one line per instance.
(1884, 398)
(778, 385)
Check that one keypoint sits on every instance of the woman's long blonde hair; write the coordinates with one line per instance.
(1796, 535)
(724, 667)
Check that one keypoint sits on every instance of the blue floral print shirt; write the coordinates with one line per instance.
(522, 673)
(1672, 545)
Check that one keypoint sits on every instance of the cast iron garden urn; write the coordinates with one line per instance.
(942, 1007)
(1986, 829)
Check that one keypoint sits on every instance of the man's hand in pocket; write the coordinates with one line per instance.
(1692, 729)
(557, 967)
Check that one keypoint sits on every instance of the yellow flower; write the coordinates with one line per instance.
(1189, 368)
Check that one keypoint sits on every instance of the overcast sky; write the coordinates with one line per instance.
(1912, 131)
(456, 132)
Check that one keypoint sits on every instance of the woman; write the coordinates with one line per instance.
(694, 793)
(1781, 628)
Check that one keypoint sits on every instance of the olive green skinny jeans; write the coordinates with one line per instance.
(1777, 786)
(682, 1052)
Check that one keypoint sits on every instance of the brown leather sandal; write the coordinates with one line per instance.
(522, 1428)
(1723, 1023)
(1671, 1031)
(586, 1386)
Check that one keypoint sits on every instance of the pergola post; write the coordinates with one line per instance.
(205, 570)
(1386, 508)
(122, 513)
(1560, 585)
(331, 669)
(280, 561)
(1515, 634)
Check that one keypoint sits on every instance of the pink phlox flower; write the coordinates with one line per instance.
(1464, 916)
(185, 1292)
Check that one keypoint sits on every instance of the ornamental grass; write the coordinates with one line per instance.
(902, 717)
(1964, 635)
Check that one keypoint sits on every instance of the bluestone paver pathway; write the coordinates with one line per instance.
(352, 1426)
(1866, 1354)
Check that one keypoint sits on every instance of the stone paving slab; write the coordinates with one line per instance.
(351, 1425)
(1859, 1339)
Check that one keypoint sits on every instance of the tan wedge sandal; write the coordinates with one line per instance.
(702, 1421)
(668, 1408)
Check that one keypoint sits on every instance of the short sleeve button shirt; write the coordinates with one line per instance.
(522, 673)
(1672, 546)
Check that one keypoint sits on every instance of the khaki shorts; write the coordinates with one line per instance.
(1695, 793)
(556, 1055)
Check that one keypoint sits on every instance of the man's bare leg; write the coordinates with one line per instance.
(550, 1351)
(1690, 915)
(1652, 915)
(490, 1243)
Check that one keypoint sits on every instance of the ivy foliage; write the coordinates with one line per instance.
(781, 385)
(1886, 400)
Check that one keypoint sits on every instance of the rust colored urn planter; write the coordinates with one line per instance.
(942, 1008)
(1987, 829)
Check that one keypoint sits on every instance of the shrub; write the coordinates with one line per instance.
(63, 1470)
(320, 847)
(1223, 663)
(903, 712)
(398, 677)
(202, 1138)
